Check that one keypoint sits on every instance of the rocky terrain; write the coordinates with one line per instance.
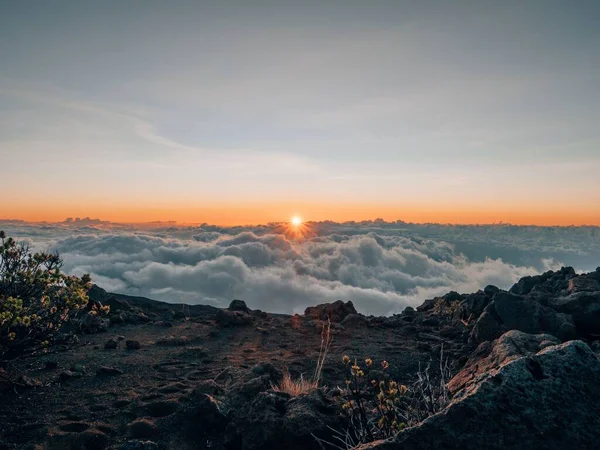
(152, 375)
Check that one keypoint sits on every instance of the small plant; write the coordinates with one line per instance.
(377, 407)
(302, 385)
(429, 391)
(35, 298)
(374, 405)
(326, 340)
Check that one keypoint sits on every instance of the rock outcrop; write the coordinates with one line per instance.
(546, 400)
(336, 311)
(584, 307)
(274, 420)
(491, 356)
(513, 312)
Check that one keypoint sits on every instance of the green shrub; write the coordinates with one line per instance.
(36, 298)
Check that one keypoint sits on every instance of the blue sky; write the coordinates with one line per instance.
(172, 110)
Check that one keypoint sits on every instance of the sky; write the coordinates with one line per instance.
(247, 112)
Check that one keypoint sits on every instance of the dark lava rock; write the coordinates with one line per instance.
(264, 368)
(450, 297)
(227, 318)
(239, 305)
(549, 282)
(92, 323)
(490, 290)
(108, 371)
(111, 344)
(132, 345)
(51, 365)
(259, 314)
(249, 389)
(74, 427)
(200, 416)
(583, 283)
(431, 321)
(139, 445)
(584, 308)
(473, 305)
(512, 312)
(409, 311)
(355, 321)
(161, 408)
(28, 382)
(210, 387)
(173, 341)
(70, 374)
(550, 400)
(511, 345)
(273, 420)
(5, 384)
(336, 311)
(90, 440)
(142, 429)
(427, 305)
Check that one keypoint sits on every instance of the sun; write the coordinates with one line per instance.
(296, 229)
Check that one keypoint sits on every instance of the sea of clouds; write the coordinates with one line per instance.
(380, 266)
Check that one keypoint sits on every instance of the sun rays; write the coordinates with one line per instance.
(296, 229)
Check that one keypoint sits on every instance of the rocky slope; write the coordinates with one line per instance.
(157, 376)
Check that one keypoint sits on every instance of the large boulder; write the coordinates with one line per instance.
(91, 323)
(274, 420)
(584, 307)
(227, 318)
(199, 417)
(450, 297)
(583, 283)
(239, 305)
(550, 282)
(474, 304)
(550, 400)
(512, 312)
(336, 311)
(490, 356)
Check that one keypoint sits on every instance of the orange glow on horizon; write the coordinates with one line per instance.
(231, 214)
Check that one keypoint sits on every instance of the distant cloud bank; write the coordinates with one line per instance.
(382, 267)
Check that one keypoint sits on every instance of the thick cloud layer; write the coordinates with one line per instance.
(382, 267)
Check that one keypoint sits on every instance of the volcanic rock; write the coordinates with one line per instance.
(550, 400)
(132, 344)
(336, 311)
(511, 345)
(239, 305)
(274, 420)
(512, 312)
(584, 306)
(227, 318)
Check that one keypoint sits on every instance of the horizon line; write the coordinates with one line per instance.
(96, 220)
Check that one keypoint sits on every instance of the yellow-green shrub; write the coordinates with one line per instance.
(35, 297)
(377, 407)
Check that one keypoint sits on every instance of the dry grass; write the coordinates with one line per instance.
(326, 340)
(294, 387)
(302, 385)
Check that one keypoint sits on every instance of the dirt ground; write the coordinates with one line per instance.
(71, 398)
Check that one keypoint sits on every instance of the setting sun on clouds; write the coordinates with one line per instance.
(296, 221)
